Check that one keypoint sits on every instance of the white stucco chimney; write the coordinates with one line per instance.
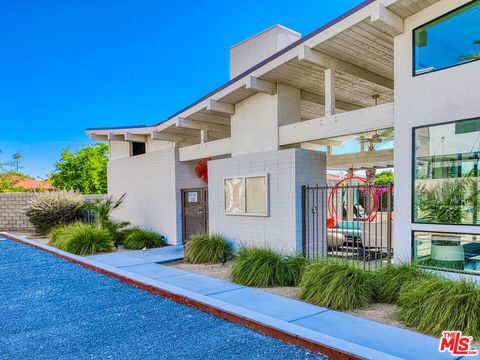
(250, 52)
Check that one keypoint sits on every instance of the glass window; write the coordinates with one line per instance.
(446, 174)
(246, 195)
(447, 251)
(256, 195)
(234, 196)
(450, 40)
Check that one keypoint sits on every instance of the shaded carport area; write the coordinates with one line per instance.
(53, 309)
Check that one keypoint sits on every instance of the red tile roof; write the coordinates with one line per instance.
(32, 184)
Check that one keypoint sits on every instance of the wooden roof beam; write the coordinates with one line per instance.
(95, 136)
(262, 86)
(386, 19)
(188, 139)
(134, 137)
(201, 125)
(220, 107)
(378, 156)
(116, 137)
(320, 99)
(329, 62)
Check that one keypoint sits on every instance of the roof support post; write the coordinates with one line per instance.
(330, 92)
(203, 136)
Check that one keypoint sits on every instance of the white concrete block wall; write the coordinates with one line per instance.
(153, 184)
(288, 170)
(442, 96)
(254, 126)
(119, 149)
(149, 182)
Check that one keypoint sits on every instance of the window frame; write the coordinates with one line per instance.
(412, 177)
(137, 142)
(244, 184)
(414, 57)
(412, 252)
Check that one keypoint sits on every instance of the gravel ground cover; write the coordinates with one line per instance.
(53, 309)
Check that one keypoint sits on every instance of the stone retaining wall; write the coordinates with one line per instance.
(12, 205)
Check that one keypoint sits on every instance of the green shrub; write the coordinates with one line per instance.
(336, 285)
(266, 268)
(137, 239)
(207, 249)
(50, 209)
(434, 304)
(390, 279)
(85, 239)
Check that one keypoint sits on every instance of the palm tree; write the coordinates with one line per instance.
(16, 158)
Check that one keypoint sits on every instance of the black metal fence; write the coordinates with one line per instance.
(350, 222)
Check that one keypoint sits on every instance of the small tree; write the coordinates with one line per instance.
(84, 170)
(102, 210)
(16, 159)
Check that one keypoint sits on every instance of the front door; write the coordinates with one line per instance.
(194, 212)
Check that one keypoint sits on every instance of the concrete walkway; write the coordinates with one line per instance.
(357, 336)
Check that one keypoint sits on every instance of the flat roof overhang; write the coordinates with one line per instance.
(358, 44)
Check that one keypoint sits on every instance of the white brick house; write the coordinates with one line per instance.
(409, 65)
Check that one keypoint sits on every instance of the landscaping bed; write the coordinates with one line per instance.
(401, 295)
(382, 313)
(65, 220)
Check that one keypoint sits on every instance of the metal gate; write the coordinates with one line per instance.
(350, 222)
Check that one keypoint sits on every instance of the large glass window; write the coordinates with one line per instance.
(246, 195)
(447, 251)
(446, 174)
(450, 40)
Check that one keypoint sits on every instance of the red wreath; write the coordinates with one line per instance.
(202, 169)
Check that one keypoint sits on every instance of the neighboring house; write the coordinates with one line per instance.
(403, 64)
(24, 183)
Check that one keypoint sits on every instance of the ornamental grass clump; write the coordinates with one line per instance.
(51, 209)
(390, 279)
(86, 239)
(137, 239)
(59, 234)
(266, 268)
(336, 285)
(207, 249)
(435, 304)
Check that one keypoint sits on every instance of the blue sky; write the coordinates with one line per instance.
(69, 65)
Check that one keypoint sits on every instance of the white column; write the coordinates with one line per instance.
(329, 92)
